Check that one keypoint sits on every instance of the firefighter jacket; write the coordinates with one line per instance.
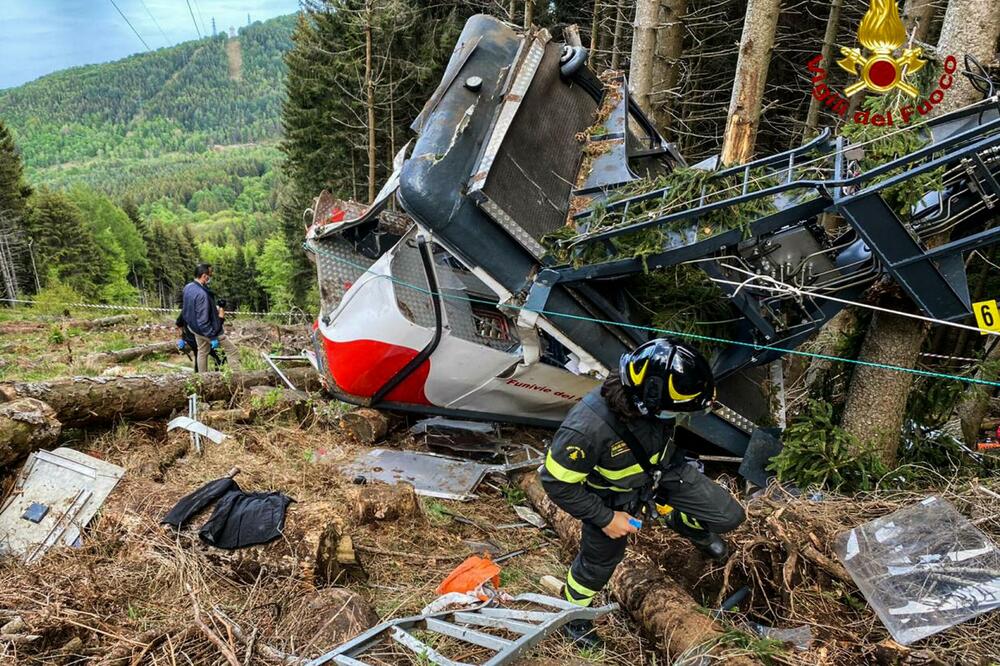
(589, 469)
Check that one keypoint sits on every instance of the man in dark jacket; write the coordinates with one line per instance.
(205, 319)
(612, 465)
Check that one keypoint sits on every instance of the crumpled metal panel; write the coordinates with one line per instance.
(71, 484)
(430, 475)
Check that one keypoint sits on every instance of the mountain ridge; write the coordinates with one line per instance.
(181, 98)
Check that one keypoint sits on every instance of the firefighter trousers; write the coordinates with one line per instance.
(702, 505)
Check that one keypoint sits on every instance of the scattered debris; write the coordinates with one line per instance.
(240, 519)
(469, 437)
(478, 576)
(801, 638)
(196, 428)
(529, 516)
(923, 568)
(430, 474)
(270, 360)
(471, 627)
(54, 497)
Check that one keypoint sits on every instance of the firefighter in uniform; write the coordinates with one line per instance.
(592, 472)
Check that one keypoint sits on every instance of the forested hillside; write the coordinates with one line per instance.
(184, 98)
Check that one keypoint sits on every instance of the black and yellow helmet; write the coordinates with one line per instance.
(663, 376)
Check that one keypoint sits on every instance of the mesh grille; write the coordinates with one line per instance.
(534, 170)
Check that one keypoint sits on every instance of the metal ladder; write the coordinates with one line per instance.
(530, 625)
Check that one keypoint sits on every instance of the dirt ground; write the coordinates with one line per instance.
(137, 593)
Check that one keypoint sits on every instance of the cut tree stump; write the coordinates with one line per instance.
(321, 620)
(304, 550)
(26, 425)
(382, 502)
(367, 426)
(666, 612)
(87, 401)
(131, 354)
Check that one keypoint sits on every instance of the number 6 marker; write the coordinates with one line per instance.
(987, 316)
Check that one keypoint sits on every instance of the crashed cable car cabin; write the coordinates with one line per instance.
(456, 303)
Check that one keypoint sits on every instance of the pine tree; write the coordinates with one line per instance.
(13, 189)
(63, 244)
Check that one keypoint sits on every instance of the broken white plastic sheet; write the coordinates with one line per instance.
(923, 569)
(197, 427)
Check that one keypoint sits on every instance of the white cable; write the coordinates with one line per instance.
(983, 257)
(790, 289)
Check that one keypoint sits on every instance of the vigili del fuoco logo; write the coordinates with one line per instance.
(878, 69)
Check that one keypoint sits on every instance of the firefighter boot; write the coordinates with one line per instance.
(582, 634)
(708, 543)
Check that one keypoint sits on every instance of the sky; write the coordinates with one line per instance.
(38, 37)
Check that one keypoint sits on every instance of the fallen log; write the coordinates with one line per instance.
(131, 354)
(81, 401)
(102, 322)
(26, 425)
(219, 418)
(663, 608)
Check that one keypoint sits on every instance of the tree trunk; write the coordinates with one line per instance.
(529, 13)
(666, 65)
(595, 31)
(131, 354)
(876, 398)
(640, 72)
(829, 38)
(958, 38)
(751, 76)
(666, 611)
(974, 404)
(370, 100)
(616, 56)
(26, 425)
(970, 27)
(917, 17)
(89, 401)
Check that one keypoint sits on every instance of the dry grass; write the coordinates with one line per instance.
(784, 554)
(129, 594)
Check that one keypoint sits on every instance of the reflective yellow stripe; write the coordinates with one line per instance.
(562, 473)
(690, 521)
(615, 474)
(579, 589)
(576, 602)
(614, 488)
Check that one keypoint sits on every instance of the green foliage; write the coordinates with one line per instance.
(683, 186)
(819, 453)
(886, 144)
(682, 299)
(178, 99)
(325, 139)
(277, 273)
(13, 189)
(52, 299)
(758, 647)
